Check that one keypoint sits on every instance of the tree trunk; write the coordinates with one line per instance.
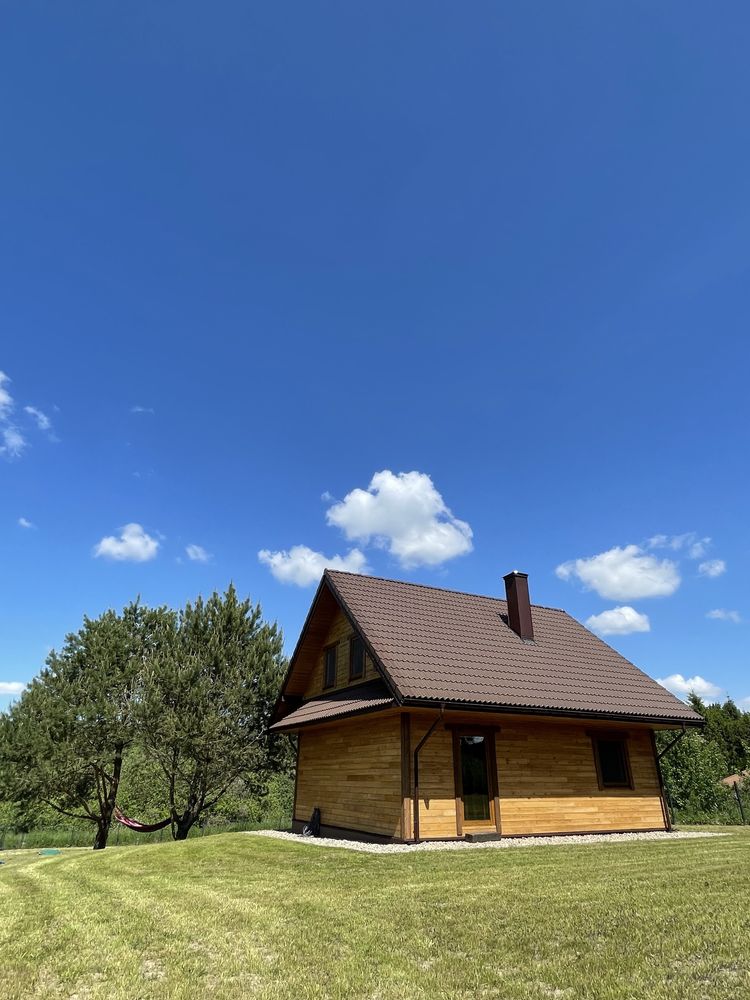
(104, 821)
(102, 833)
(182, 827)
(183, 822)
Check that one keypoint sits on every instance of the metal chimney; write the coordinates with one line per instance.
(519, 605)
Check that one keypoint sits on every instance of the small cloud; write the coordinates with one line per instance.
(6, 400)
(13, 442)
(141, 409)
(694, 546)
(690, 542)
(712, 568)
(619, 621)
(404, 513)
(674, 542)
(326, 497)
(24, 522)
(197, 553)
(43, 422)
(623, 574)
(11, 687)
(132, 545)
(698, 549)
(724, 615)
(683, 686)
(303, 566)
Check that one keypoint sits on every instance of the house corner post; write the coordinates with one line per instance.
(665, 809)
(406, 818)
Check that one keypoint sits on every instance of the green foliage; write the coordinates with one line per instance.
(692, 771)
(62, 744)
(206, 702)
(695, 765)
(160, 712)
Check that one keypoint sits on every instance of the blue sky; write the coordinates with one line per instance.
(259, 262)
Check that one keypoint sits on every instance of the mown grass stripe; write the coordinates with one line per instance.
(237, 916)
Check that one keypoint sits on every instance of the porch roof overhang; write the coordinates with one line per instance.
(370, 697)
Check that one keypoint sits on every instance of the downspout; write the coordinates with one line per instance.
(418, 747)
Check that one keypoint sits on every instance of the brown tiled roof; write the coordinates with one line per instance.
(442, 645)
(351, 701)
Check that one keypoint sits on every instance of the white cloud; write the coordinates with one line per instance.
(43, 422)
(699, 548)
(303, 566)
(405, 514)
(197, 553)
(683, 686)
(619, 621)
(713, 567)
(695, 546)
(132, 545)
(141, 409)
(6, 400)
(13, 441)
(724, 615)
(624, 574)
(24, 522)
(11, 687)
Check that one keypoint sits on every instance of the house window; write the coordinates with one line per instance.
(356, 658)
(329, 671)
(612, 762)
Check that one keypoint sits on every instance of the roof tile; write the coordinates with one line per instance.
(444, 645)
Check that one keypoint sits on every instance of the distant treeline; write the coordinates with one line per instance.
(158, 713)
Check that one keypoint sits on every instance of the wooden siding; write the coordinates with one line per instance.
(548, 782)
(339, 633)
(351, 770)
(546, 777)
(437, 792)
(359, 773)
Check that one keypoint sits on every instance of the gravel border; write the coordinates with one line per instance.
(465, 845)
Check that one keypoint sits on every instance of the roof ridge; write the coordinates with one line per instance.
(428, 586)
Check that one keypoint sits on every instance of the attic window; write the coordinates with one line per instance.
(612, 762)
(329, 668)
(356, 658)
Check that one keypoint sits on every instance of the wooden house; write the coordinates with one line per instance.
(424, 713)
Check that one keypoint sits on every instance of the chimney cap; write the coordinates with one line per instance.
(515, 572)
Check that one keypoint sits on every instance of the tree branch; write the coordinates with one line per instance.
(89, 818)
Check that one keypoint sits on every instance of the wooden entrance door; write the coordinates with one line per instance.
(475, 775)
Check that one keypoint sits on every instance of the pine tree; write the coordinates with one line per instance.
(206, 703)
(63, 743)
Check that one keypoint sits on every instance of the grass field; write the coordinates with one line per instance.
(238, 916)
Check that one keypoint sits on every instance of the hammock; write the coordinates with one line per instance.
(133, 824)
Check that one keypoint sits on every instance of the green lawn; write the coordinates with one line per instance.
(238, 916)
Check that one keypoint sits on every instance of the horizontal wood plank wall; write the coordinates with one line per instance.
(351, 770)
(437, 791)
(339, 633)
(548, 782)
